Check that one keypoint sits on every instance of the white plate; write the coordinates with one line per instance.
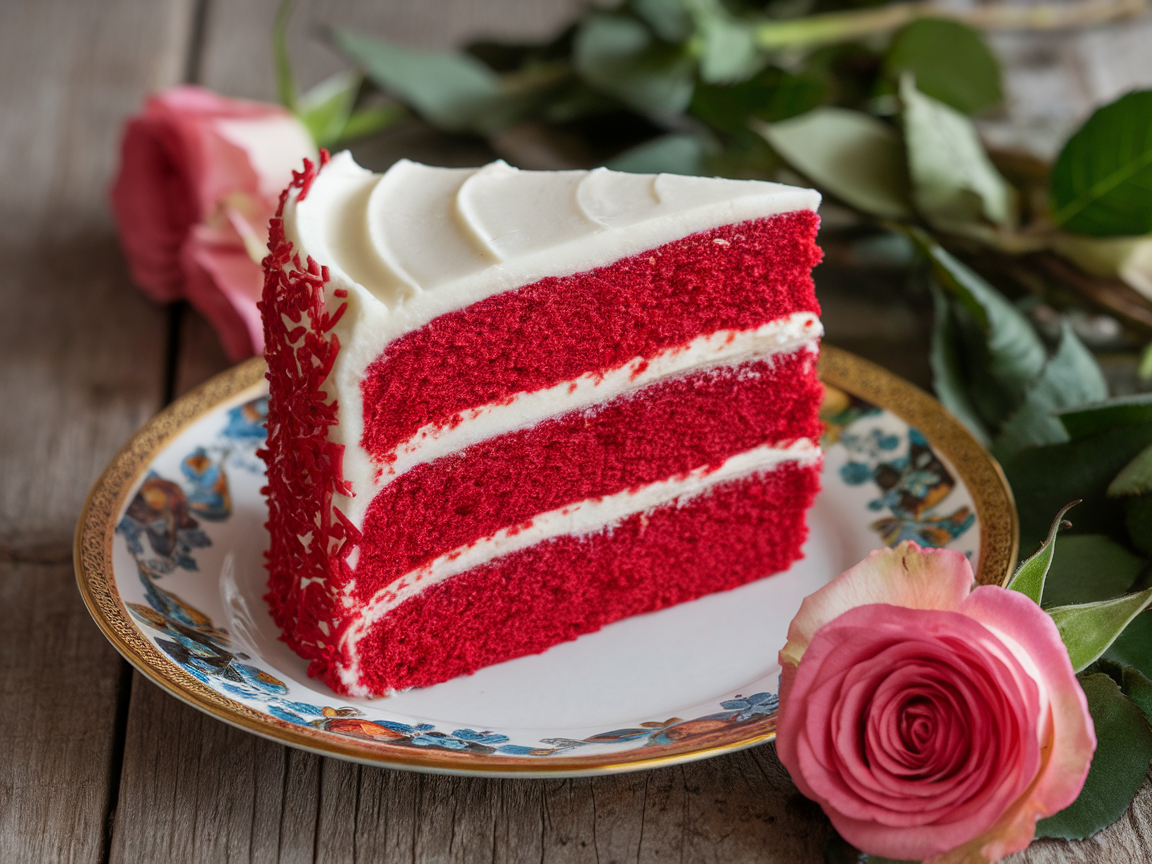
(170, 561)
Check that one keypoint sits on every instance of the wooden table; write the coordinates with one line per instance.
(95, 763)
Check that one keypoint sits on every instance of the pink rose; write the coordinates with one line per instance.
(929, 720)
(200, 176)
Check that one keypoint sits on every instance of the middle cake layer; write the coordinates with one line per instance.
(666, 430)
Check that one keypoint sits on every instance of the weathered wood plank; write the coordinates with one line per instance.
(59, 682)
(81, 366)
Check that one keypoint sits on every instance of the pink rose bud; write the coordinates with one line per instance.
(929, 720)
(199, 179)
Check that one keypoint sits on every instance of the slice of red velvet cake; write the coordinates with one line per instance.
(511, 407)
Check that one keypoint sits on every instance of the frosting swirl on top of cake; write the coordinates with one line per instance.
(468, 232)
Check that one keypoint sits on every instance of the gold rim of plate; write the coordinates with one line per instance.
(981, 475)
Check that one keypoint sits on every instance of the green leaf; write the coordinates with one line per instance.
(448, 89)
(371, 120)
(1133, 647)
(1090, 567)
(325, 108)
(669, 154)
(848, 154)
(1121, 411)
(285, 82)
(1030, 575)
(669, 19)
(1070, 378)
(1135, 478)
(1003, 353)
(1044, 479)
(619, 56)
(953, 180)
(951, 63)
(1102, 181)
(1123, 751)
(1089, 628)
(772, 95)
(948, 378)
(728, 49)
(1138, 688)
(1138, 522)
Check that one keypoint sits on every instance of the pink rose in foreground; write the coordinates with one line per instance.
(929, 720)
(200, 176)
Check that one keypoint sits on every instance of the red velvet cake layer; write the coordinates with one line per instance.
(527, 601)
(666, 429)
(735, 277)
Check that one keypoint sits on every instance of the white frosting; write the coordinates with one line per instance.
(584, 517)
(418, 242)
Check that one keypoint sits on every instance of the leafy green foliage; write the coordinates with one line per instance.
(728, 50)
(1123, 751)
(851, 155)
(1138, 522)
(1102, 181)
(620, 56)
(672, 154)
(282, 60)
(1090, 567)
(669, 19)
(1071, 377)
(772, 95)
(1044, 479)
(949, 376)
(994, 356)
(1122, 411)
(1030, 575)
(327, 107)
(449, 89)
(1088, 629)
(950, 62)
(953, 180)
(1135, 478)
(1133, 647)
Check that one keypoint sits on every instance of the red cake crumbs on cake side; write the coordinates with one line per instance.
(304, 468)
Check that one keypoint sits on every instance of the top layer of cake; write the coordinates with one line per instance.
(419, 244)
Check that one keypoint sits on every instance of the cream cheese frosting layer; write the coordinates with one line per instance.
(800, 331)
(584, 517)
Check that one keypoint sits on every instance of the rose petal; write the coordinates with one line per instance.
(904, 576)
(190, 151)
(867, 658)
(224, 284)
(1026, 629)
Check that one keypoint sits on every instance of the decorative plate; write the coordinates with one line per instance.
(169, 559)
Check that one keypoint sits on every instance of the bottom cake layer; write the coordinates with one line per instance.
(527, 601)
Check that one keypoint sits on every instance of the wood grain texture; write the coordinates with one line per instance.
(195, 790)
(81, 367)
(59, 682)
